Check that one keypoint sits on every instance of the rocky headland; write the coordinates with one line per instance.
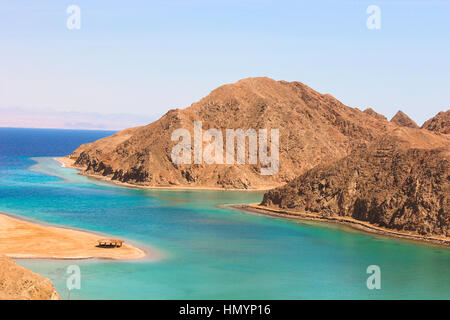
(336, 162)
(314, 129)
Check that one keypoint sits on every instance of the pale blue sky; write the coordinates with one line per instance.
(145, 57)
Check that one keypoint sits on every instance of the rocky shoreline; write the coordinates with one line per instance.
(19, 283)
(68, 162)
(356, 224)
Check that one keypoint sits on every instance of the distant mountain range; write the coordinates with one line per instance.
(30, 118)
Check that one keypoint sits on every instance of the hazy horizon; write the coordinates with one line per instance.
(142, 59)
(51, 119)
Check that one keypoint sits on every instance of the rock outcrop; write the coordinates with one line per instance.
(400, 181)
(440, 123)
(403, 120)
(18, 283)
(374, 114)
(314, 129)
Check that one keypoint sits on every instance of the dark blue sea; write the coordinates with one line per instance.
(45, 142)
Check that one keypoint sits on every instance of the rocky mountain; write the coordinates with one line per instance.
(18, 283)
(314, 128)
(403, 120)
(374, 114)
(400, 181)
(439, 123)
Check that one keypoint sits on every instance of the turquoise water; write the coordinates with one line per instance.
(214, 252)
(210, 251)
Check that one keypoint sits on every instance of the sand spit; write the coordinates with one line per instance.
(21, 239)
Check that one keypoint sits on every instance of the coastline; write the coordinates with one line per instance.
(67, 162)
(350, 222)
(21, 239)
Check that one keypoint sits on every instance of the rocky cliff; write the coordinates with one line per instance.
(18, 283)
(314, 129)
(439, 123)
(400, 181)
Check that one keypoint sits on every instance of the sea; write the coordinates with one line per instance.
(199, 247)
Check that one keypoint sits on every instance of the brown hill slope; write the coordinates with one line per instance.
(18, 283)
(314, 128)
(439, 123)
(401, 181)
(372, 113)
(403, 120)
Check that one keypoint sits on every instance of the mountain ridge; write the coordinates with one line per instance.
(328, 130)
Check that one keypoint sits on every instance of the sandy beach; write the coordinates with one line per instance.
(353, 223)
(21, 239)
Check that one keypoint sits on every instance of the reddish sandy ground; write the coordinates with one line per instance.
(22, 239)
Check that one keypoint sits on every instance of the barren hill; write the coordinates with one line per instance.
(403, 120)
(314, 129)
(18, 283)
(372, 113)
(400, 181)
(439, 123)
